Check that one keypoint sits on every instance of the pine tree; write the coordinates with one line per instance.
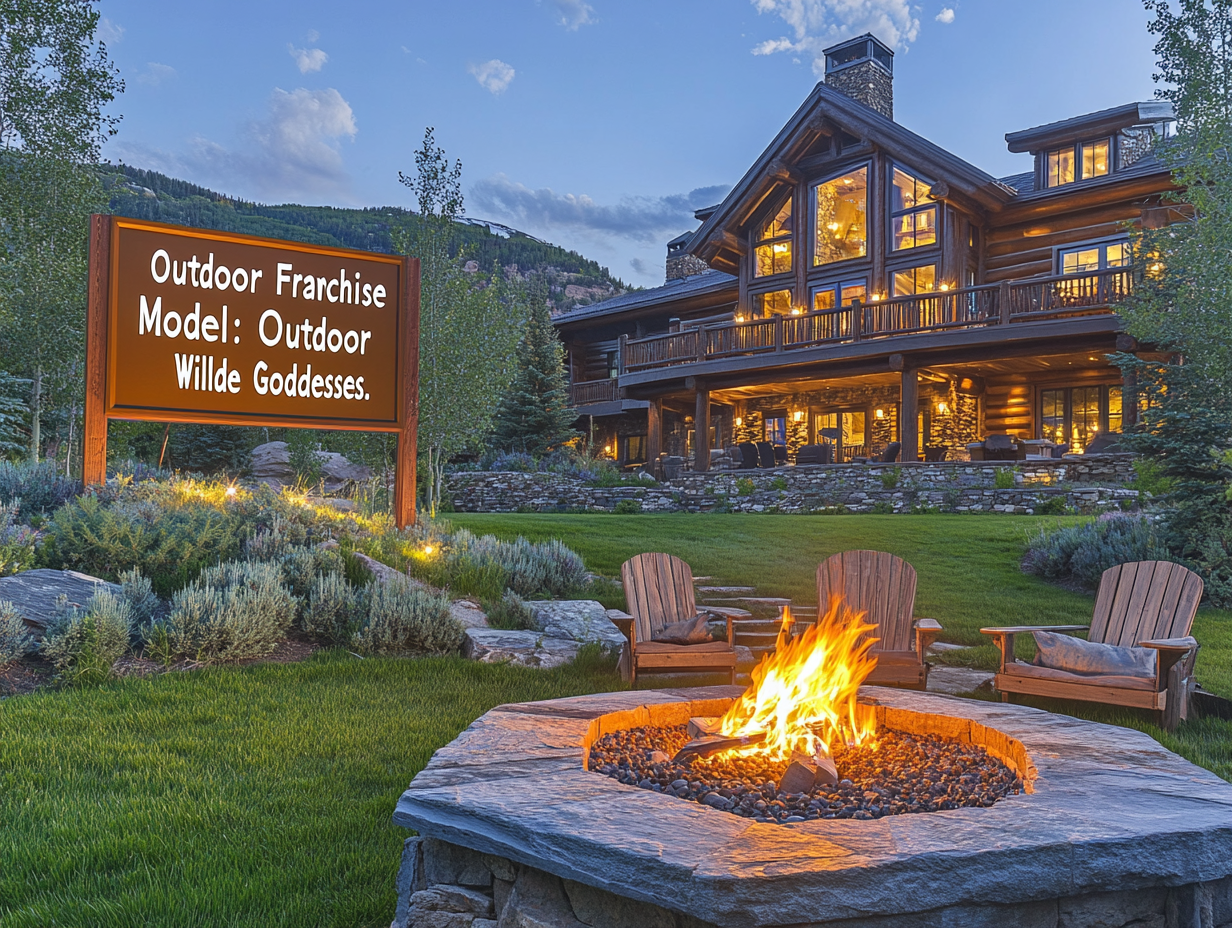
(534, 414)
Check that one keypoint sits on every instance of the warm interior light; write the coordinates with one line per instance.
(944, 287)
(739, 318)
(779, 249)
(607, 449)
(1035, 232)
(833, 226)
(943, 407)
(880, 413)
(797, 416)
(795, 310)
(876, 296)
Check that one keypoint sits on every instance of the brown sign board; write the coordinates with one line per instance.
(191, 325)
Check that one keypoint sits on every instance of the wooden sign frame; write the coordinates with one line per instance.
(101, 315)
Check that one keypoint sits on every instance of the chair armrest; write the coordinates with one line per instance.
(928, 625)
(925, 631)
(1169, 644)
(1023, 629)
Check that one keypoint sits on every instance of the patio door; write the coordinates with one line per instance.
(844, 430)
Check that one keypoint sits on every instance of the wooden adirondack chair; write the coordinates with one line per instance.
(883, 586)
(659, 591)
(1143, 604)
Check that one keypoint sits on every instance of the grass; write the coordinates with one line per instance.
(241, 796)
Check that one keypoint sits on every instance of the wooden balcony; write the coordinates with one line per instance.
(590, 392)
(972, 308)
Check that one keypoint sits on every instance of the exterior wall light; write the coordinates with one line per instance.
(797, 416)
(739, 420)
(879, 413)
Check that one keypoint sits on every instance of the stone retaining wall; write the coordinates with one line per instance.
(1087, 485)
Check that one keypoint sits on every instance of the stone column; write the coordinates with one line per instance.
(908, 426)
(701, 427)
(654, 437)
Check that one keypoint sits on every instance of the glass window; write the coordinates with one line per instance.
(776, 429)
(1114, 409)
(613, 365)
(774, 303)
(844, 430)
(913, 218)
(913, 280)
(841, 230)
(635, 449)
(1086, 259)
(844, 293)
(1060, 167)
(1095, 158)
(1075, 416)
(773, 251)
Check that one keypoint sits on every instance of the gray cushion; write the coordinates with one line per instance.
(1090, 658)
(691, 631)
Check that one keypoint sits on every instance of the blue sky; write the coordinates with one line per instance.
(595, 124)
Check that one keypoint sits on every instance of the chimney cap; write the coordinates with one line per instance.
(855, 51)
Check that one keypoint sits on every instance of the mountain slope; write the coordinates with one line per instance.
(571, 279)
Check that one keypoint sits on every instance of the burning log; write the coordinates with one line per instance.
(715, 744)
(806, 773)
(701, 726)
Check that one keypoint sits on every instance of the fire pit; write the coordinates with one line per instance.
(1110, 829)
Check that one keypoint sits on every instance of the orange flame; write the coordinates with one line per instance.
(803, 696)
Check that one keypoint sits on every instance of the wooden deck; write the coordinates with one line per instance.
(989, 307)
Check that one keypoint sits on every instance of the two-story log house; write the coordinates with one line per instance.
(860, 285)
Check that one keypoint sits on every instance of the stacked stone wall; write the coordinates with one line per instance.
(1090, 484)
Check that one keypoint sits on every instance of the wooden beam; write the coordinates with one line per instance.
(94, 424)
(701, 427)
(404, 467)
(907, 421)
(654, 434)
(780, 170)
(734, 243)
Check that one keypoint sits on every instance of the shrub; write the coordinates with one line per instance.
(778, 483)
(335, 610)
(514, 461)
(15, 641)
(744, 486)
(237, 610)
(1053, 506)
(84, 646)
(168, 543)
(408, 620)
(302, 567)
(510, 612)
(16, 543)
(1003, 478)
(883, 507)
(890, 477)
(548, 569)
(628, 507)
(1149, 478)
(35, 488)
(1083, 552)
(137, 591)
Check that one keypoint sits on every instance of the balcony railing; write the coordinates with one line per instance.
(938, 311)
(587, 392)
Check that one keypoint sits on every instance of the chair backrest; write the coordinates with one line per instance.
(659, 591)
(765, 451)
(999, 443)
(890, 455)
(748, 454)
(874, 582)
(815, 454)
(1142, 600)
(780, 454)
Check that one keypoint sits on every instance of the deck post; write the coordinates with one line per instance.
(1003, 302)
(654, 436)
(908, 429)
(701, 429)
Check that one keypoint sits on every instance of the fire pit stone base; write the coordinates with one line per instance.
(1114, 831)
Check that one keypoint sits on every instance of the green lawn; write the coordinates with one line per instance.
(261, 796)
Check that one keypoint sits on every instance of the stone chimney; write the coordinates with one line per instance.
(863, 69)
(679, 262)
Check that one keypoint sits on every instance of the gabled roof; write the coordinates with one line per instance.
(1097, 123)
(706, 283)
(826, 110)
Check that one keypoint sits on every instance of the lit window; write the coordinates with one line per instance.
(913, 280)
(1087, 259)
(1095, 158)
(1078, 162)
(844, 293)
(913, 218)
(841, 230)
(1075, 416)
(775, 303)
(1060, 167)
(773, 252)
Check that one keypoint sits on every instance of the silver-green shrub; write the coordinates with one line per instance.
(335, 610)
(408, 620)
(15, 641)
(1081, 553)
(84, 645)
(533, 570)
(511, 612)
(237, 610)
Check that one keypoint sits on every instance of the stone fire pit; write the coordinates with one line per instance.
(1112, 831)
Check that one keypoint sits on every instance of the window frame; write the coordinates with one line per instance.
(836, 286)
(891, 271)
(1075, 150)
(1067, 387)
(776, 286)
(790, 238)
(1059, 252)
(892, 214)
(810, 247)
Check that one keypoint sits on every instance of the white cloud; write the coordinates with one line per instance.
(109, 32)
(289, 154)
(155, 74)
(643, 219)
(494, 75)
(945, 16)
(313, 35)
(573, 13)
(308, 59)
(816, 24)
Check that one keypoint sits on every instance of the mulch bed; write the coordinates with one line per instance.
(901, 774)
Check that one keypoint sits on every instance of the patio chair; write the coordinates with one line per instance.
(882, 586)
(815, 454)
(780, 455)
(765, 452)
(659, 592)
(890, 455)
(1000, 448)
(1143, 604)
(748, 455)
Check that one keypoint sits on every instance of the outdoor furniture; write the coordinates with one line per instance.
(882, 586)
(1001, 448)
(815, 454)
(780, 455)
(748, 455)
(890, 455)
(934, 453)
(1104, 443)
(765, 454)
(659, 592)
(1143, 604)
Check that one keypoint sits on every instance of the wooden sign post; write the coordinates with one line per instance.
(189, 325)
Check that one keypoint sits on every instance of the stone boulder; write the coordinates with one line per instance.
(581, 620)
(271, 464)
(525, 649)
(35, 594)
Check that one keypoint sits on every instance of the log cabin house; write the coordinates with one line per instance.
(860, 285)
